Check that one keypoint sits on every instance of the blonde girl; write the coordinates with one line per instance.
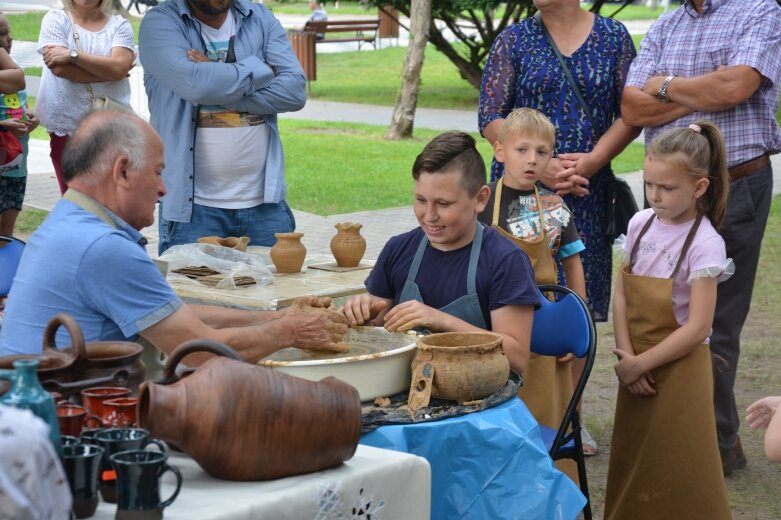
(664, 460)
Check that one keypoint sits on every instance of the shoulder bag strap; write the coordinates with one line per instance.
(567, 73)
(77, 39)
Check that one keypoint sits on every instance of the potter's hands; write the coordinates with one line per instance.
(759, 414)
(561, 177)
(56, 55)
(632, 374)
(317, 325)
(411, 314)
(363, 308)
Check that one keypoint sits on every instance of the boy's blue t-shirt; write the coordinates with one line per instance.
(504, 273)
(14, 106)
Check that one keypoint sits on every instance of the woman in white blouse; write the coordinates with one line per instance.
(101, 60)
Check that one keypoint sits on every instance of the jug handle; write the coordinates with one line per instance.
(420, 387)
(77, 337)
(194, 345)
(176, 472)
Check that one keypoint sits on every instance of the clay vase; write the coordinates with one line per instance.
(348, 246)
(237, 243)
(280, 426)
(288, 253)
(459, 366)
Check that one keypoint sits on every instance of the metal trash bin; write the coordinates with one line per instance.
(303, 43)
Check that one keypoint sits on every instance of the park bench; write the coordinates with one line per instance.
(363, 31)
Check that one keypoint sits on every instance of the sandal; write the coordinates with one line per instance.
(588, 442)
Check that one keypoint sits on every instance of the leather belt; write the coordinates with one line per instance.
(748, 167)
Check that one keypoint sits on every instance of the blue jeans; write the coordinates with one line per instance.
(259, 223)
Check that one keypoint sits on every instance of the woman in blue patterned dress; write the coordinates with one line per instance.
(522, 71)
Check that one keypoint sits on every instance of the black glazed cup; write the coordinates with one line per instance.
(67, 440)
(115, 440)
(138, 484)
(82, 463)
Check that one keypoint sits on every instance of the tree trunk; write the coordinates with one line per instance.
(407, 100)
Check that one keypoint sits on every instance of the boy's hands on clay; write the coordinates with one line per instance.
(411, 314)
(363, 308)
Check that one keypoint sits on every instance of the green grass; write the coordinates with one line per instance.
(33, 71)
(352, 8)
(27, 26)
(633, 12)
(337, 168)
(27, 222)
(374, 78)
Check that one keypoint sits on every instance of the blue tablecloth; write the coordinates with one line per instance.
(486, 465)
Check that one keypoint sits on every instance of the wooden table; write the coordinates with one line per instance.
(282, 291)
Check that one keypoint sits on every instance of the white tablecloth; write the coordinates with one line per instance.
(386, 484)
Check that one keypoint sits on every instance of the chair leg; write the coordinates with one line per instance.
(581, 462)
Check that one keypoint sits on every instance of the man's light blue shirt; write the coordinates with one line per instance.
(265, 80)
(91, 265)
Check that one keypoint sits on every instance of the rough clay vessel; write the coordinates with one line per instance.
(288, 253)
(348, 246)
(240, 421)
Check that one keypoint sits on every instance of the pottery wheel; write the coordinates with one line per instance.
(373, 416)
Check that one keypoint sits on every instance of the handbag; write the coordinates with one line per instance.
(102, 102)
(621, 204)
(11, 155)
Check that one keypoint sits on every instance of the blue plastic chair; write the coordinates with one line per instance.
(564, 325)
(10, 254)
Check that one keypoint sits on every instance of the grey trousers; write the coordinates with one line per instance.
(743, 228)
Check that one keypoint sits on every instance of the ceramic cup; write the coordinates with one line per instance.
(138, 484)
(72, 418)
(115, 440)
(120, 413)
(67, 440)
(82, 463)
(93, 398)
(88, 435)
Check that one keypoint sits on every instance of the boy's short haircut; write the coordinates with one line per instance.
(453, 151)
(528, 121)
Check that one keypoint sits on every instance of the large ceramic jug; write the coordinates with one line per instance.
(348, 246)
(27, 393)
(240, 421)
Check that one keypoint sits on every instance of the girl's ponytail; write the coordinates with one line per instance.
(713, 203)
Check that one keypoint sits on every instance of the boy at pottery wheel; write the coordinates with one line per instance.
(452, 274)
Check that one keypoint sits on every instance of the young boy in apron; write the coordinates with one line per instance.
(452, 274)
(664, 457)
(539, 222)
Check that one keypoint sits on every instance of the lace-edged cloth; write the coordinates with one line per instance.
(721, 272)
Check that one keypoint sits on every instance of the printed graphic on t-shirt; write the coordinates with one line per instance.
(523, 218)
(215, 116)
(13, 106)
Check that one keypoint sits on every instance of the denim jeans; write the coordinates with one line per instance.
(259, 223)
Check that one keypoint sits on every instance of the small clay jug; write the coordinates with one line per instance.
(288, 253)
(348, 246)
(241, 421)
(459, 366)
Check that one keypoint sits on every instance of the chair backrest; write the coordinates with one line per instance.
(10, 254)
(562, 326)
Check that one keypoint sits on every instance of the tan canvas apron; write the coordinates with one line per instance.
(664, 457)
(547, 384)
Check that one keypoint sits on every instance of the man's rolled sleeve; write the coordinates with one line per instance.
(645, 63)
(759, 44)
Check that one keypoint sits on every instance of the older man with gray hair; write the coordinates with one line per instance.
(88, 259)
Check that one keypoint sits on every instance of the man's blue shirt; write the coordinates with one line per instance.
(98, 273)
(266, 79)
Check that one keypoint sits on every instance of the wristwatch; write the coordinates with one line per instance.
(662, 94)
(74, 56)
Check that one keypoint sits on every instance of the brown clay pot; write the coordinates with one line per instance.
(348, 246)
(459, 366)
(288, 253)
(83, 365)
(237, 243)
(240, 421)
